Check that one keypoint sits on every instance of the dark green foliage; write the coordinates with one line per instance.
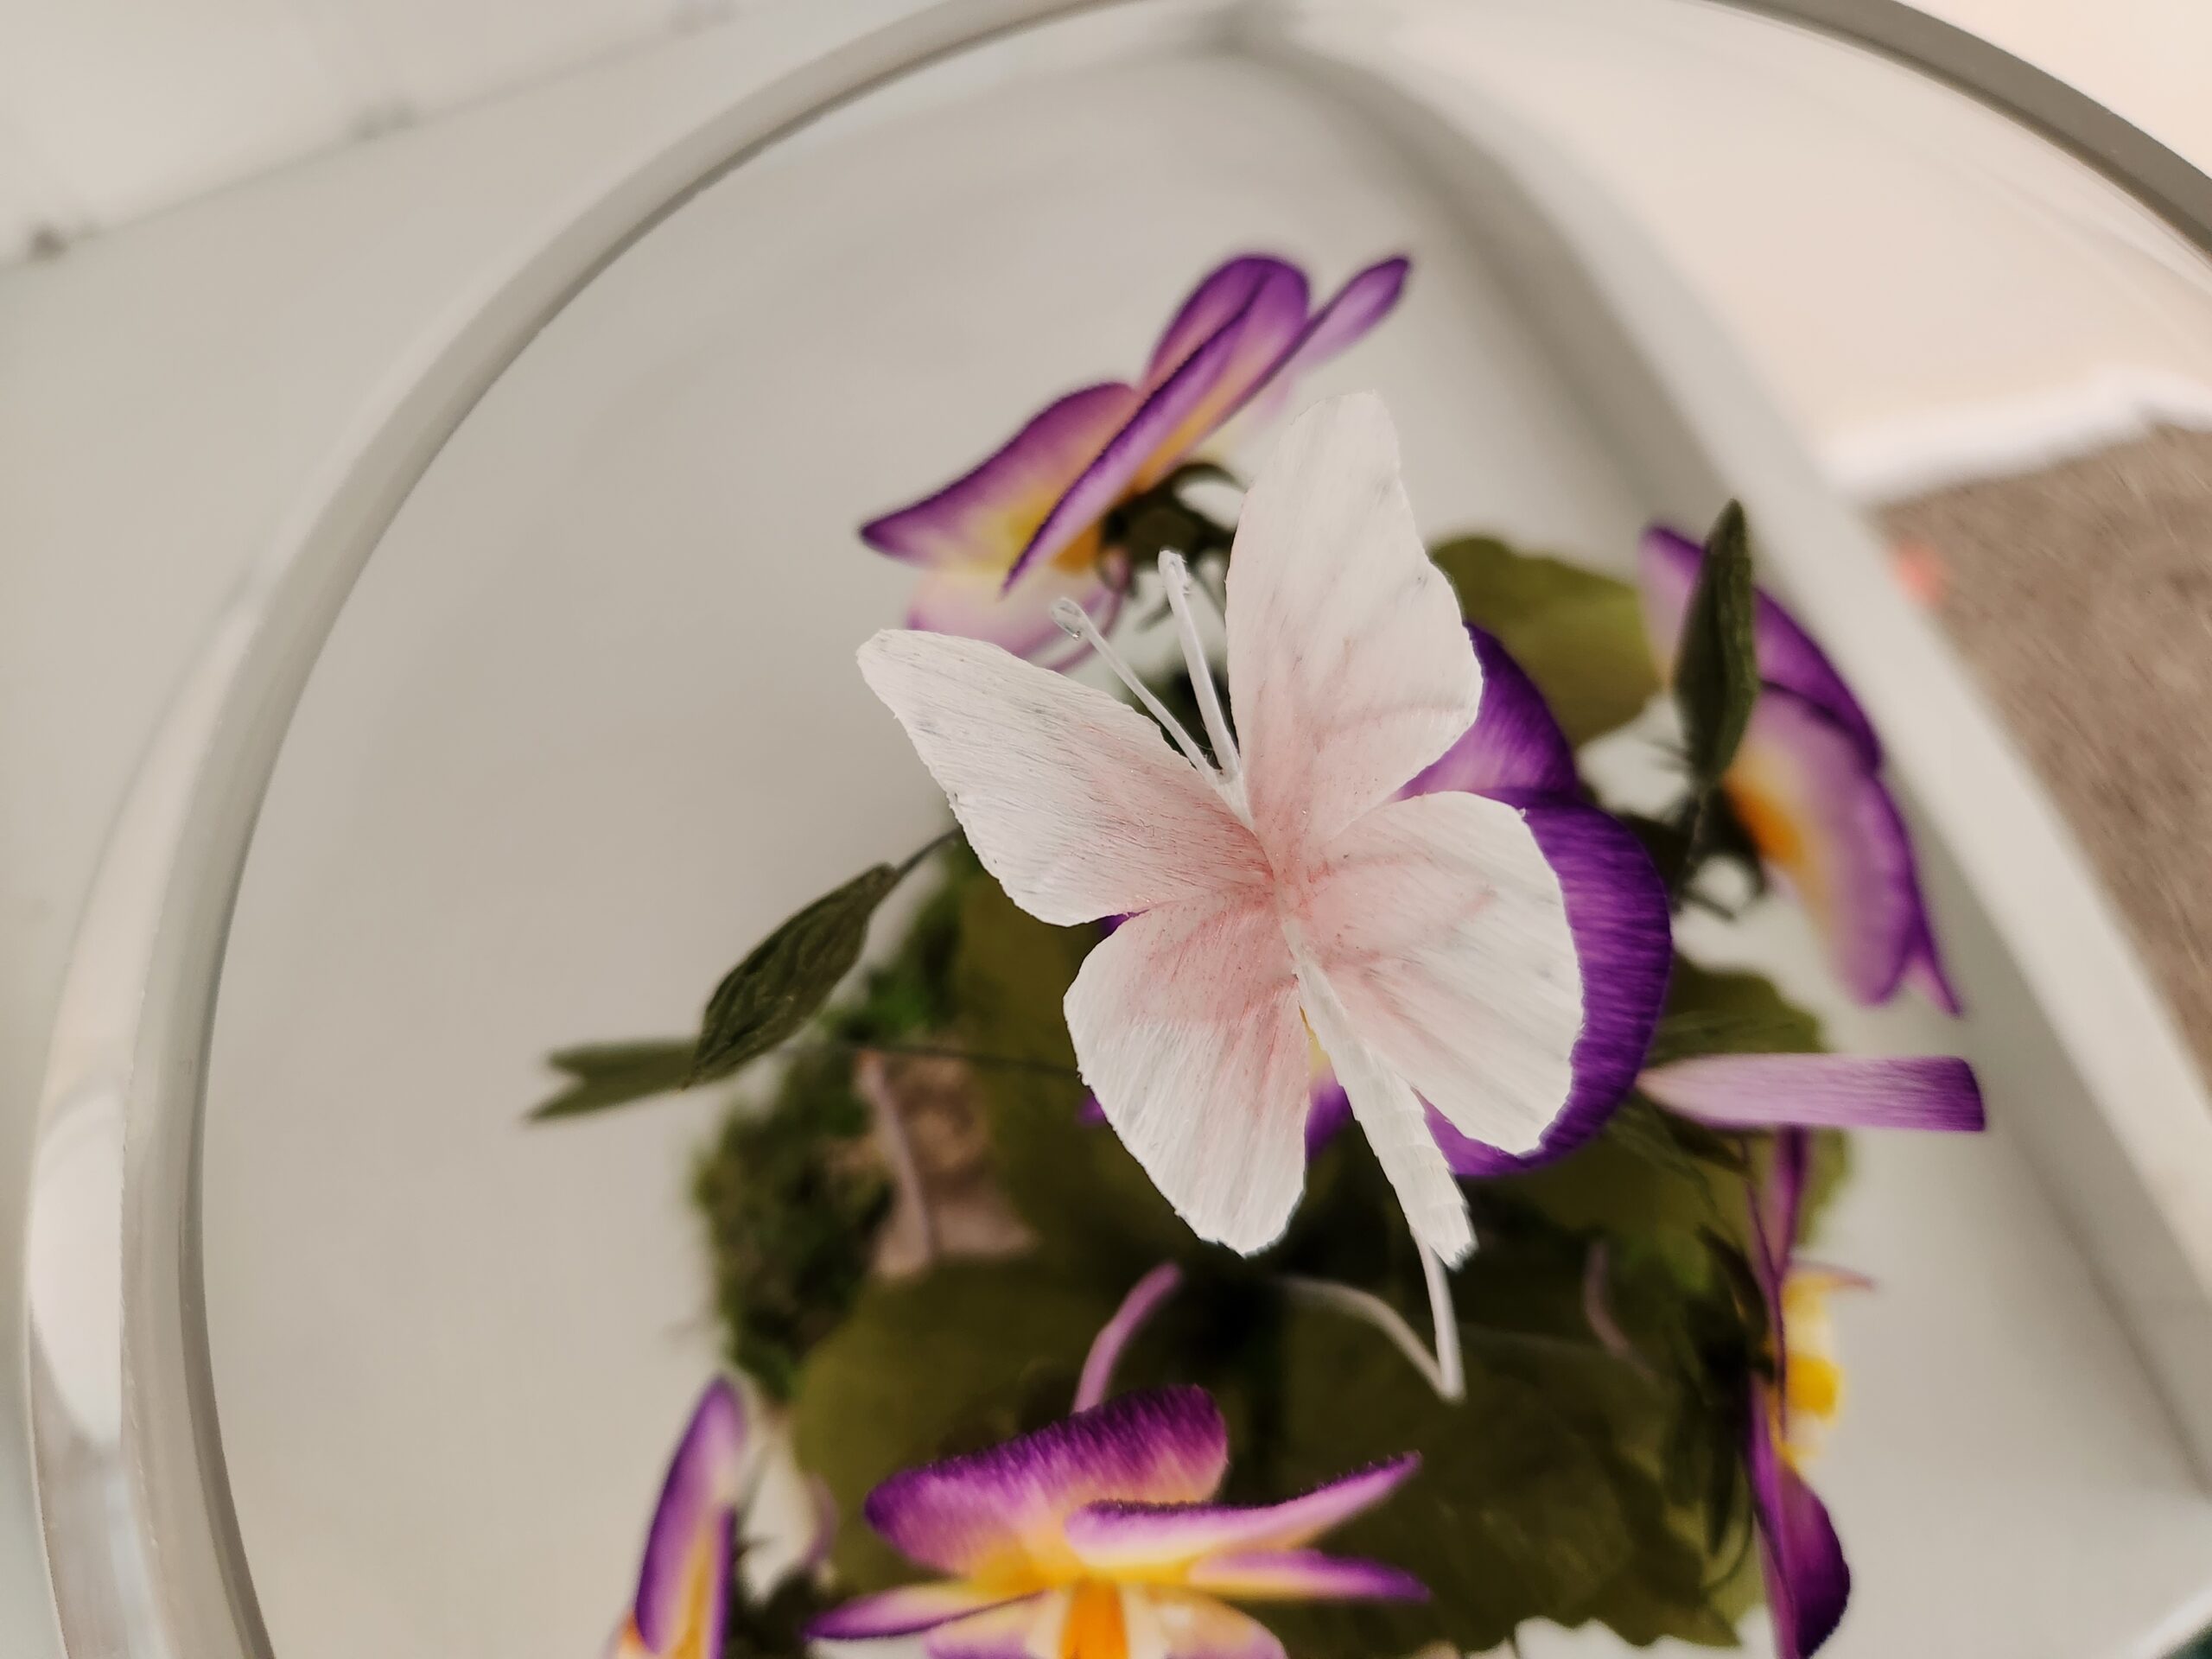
(1577, 634)
(614, 1074)
(775, 1628)
(785, 980)
(1716, 664)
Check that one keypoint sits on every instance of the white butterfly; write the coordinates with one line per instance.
(1284, 896)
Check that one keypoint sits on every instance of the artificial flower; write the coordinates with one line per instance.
(1515, 752)
(1806, 784)
(1795, 1400)
(1280, 892)
(1000, 544)
(1096, 1538)
(682, 1606)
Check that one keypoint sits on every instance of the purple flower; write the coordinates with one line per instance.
(998, 544)
(1797, 1398)
(1096, 1538)
(682, 1606)
(1615, 904)
(1807, 787)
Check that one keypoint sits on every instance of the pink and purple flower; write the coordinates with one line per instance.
(682, 1607)
(1807, 787)
(998, 545)
(1797, 1395)
(1098, 1537)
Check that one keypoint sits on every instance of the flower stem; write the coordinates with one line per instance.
(1114, 1335)
(1451, 1372)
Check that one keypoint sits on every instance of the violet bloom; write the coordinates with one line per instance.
(1807, 787)
(1096, 1538)
(1000, 544)
(682, 1607)
(1795, 1399)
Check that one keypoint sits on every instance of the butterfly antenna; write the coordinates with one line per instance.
(1075, 623)
(1176, 575)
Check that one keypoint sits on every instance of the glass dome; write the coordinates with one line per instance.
(551, 709)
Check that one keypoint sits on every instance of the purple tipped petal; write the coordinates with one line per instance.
(1788, 656)
(1623, 940)
(1302, 1575)
(1330, 1109)
(1221, 295)
(1136, 1307)
(1514, 747)
(1844, 1092)
(1775, 1207)
(1829, 829)
(903, 1611)
(984, 519)
(1204, 390)
(1111, 1533)
(1354, 309)
(1807, 1581)
(697, 1499)
(976, 605)
(1923, 966)
(1166, 1445)
(1005, 1632)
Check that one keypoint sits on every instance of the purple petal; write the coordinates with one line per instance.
(1807, 1581)
(1205, 390)
(1002, 1633)
(1844, 1092)
(1113, 1534)
(976, 605)
(1136, 1307)
(1353, 311)
(984, 519)
(1776, 1205)
(1328, 1110)
(1788, 656)
(696, 1499)
(1302, 1575)
(1923, 965)
(905, 1611)
(1514, 746)
(1623, 940)
(1221, 295)
(1830, 832)
(1163, 1445)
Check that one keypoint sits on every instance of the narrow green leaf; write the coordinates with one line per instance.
(1716, 667)
(787, 977)
(614, 1074)
(1577, 634)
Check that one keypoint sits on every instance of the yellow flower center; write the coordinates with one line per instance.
(1096, 1628)
(1813, 1387)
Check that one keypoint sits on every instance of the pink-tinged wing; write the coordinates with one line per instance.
(1185, 1025)
(1120, 1538)
(983, 519)
(684, 1573)
(999, 1509)
(1514, 748)
(1071, 799)
(1445, 930)
(1844, 1092)
(1348, 662)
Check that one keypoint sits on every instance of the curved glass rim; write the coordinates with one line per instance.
(146, 962)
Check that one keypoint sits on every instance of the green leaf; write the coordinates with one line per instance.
(1580, 635)
(614, 1074)
(1716, 665)
(787, 977)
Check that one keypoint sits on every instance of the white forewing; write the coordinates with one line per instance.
(1073, 800)
(1185, 1024)
(1445, 931)
(1349, 665)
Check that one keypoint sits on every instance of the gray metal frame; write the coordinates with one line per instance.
(143, 1544)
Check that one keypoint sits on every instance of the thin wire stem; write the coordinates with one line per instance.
(1450, 1372)
(1139, 1306)
(1372, 1310)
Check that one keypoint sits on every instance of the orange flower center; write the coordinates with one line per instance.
(1096, 1628)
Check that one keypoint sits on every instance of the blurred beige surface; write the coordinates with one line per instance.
(2083, 595)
